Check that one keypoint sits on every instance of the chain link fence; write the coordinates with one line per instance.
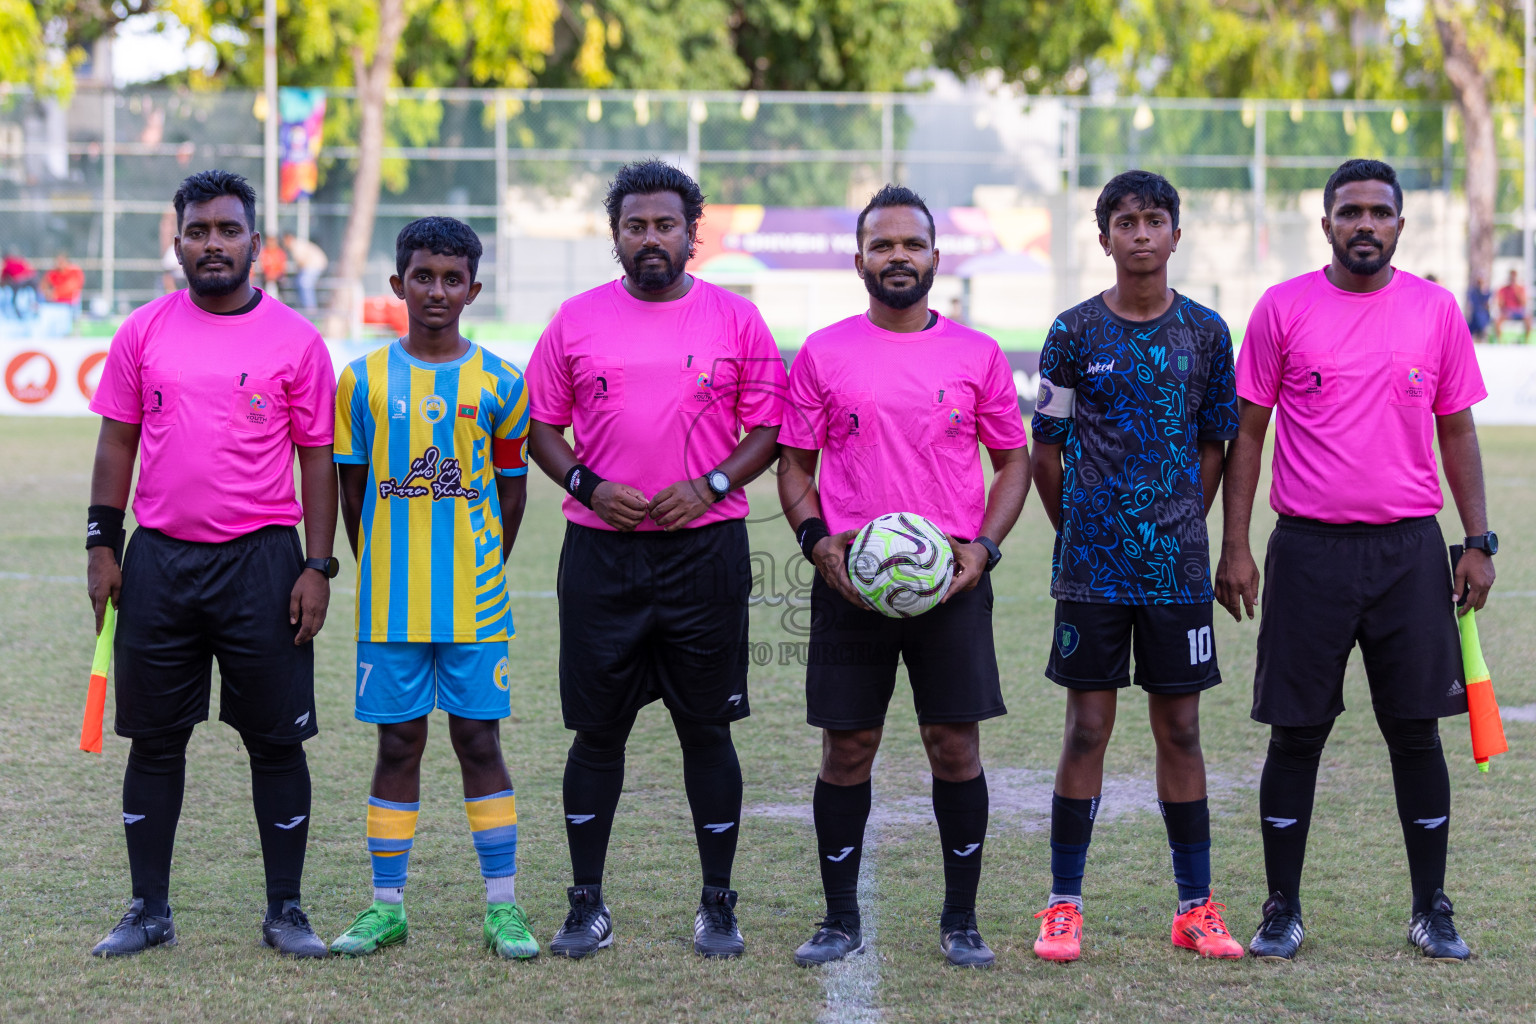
(527, 170)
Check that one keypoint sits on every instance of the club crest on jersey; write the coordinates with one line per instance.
(1067, 639)
(1181, 361)
(503, 675)
(433, 408)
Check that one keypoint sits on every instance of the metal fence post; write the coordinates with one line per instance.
(887, 141)
(693, 139)
(1072, 148)
(1260, 184)
(109, 197)
(503, 228)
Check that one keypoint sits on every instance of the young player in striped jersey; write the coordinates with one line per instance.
(433, 463)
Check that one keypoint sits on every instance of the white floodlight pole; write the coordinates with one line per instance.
(269, 139)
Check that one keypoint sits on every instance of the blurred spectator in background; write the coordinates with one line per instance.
(18, 278)
(65, 282)
(309, 261)
(1478, 297)
(274, 264)
(1511, 306)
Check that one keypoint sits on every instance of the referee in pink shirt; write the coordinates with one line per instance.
(214, 388)
(1363, 366)
(672, 388)
(896, 403)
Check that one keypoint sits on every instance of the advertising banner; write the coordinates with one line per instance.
(301, 125)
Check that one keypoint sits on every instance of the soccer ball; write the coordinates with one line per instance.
(902, 564)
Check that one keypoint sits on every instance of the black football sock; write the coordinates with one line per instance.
(1071, 832)
(594, 778)
(841, 812)
(153, 785)
(1286, 789)
(280, 795)
(1423, 787)
(1189, 842)
(960, 808)
(712, 778)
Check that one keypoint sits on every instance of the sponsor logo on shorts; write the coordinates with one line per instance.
(502, 675)
(1456, 689)
(1067, 639)
(302, 719)
(734, 698)
(433, 408)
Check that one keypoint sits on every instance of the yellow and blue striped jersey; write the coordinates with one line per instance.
(434, 436)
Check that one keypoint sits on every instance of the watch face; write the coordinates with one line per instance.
(719, 482)
(1492, 540)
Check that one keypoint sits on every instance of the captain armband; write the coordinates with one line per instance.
(1054, 401)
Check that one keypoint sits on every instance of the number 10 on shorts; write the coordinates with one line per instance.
(1199, 645)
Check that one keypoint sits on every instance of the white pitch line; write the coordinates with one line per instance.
(853, 983)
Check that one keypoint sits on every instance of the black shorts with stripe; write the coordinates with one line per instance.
(653, 615)
(1329, 587)
(186, 604)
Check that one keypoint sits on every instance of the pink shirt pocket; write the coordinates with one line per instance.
(600, 388)
(258, 407)
(160, 391)
(1311, 378)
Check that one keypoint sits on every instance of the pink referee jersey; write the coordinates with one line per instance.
(900, 417)
(221, 401)
(1356, 381)
(657, 392)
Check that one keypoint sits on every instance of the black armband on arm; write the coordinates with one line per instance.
(580, 482)
(104, 529)
(811, 532)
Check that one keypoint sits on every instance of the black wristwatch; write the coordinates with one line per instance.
(719, 484)
(1487, 543)
(993, 554)
(327, 567)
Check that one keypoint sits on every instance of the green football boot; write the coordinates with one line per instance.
(507, 933)
(382, 924)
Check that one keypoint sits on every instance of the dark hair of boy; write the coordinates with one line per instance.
(1361, 170)
(441, 236)
(889, 196)
(1151, 192)
(211, 184)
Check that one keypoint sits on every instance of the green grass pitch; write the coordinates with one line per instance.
(64, 874)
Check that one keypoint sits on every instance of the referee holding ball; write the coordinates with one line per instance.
(901, 400)
(1363, 366)
(214, 388)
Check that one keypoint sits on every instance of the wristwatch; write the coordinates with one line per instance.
(1487, 543)
(993, 554)
(719, 484)
(327, 567)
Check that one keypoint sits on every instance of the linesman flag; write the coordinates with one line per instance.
(1482, 708)
(96, 695)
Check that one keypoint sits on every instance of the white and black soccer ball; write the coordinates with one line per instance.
(902, 564)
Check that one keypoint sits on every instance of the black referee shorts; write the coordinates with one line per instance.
(951, 662)
(653, 615)
(1328, 587)
(183, 605)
